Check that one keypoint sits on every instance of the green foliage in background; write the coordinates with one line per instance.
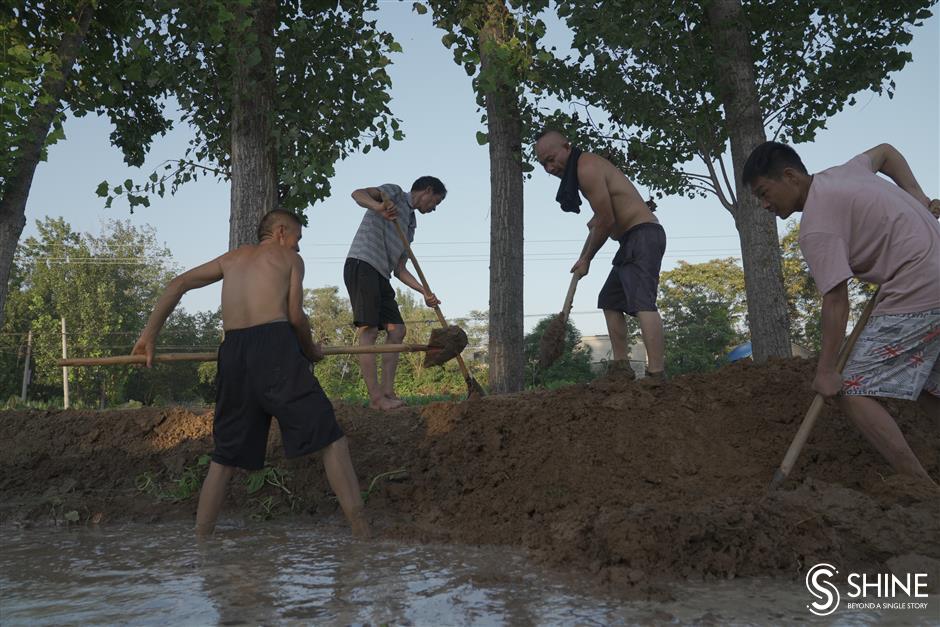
(331, 84)
(703, 309)
(574, 365)
(104, 286)
(331, 320)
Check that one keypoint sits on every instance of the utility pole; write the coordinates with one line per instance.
(26, 372)
(65, 370)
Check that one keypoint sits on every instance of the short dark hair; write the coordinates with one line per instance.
(434, 183)
(769, 160)
(548, 130)
(272, 219)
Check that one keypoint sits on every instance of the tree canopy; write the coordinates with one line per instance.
(330, 82)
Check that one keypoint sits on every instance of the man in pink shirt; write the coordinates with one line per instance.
(856, 223)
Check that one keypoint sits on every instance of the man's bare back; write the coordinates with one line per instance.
(261, 283)
(628, 206)
(255, 285)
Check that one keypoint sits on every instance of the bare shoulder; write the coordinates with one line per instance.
(295, 260)
(590, 162)
(593, 169)
(233, 256)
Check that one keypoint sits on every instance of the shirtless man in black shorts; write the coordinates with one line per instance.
(264, 367)
(622, 215)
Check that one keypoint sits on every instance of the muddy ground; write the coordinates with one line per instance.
(626, 483)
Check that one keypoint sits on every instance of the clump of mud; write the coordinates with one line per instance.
(445, 344)
(629, 483)
(552, 343)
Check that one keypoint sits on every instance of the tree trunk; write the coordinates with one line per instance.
(506, 355)
(760, 247)
(16, 188)
(254, 154)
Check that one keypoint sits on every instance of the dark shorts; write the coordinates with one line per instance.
(263, 373)
(371, 295)
(634, 280)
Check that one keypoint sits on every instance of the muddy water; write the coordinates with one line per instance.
(279, 574)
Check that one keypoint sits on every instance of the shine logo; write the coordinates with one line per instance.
(866, 591)
(823, 590)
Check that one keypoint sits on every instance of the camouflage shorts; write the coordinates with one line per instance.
(896, 356)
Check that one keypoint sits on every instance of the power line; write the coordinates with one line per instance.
(534, 241)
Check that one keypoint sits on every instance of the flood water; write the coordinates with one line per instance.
(292, 573)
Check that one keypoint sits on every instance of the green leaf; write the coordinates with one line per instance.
(255, 481)
(419, 8)
(102, 189)
(482, 138)
(128, 184)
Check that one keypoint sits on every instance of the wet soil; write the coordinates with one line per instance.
(552, 343)
(628, 483)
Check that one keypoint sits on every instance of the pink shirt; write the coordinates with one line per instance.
(856, 223)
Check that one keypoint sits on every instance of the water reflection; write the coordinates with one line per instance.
(290, 573)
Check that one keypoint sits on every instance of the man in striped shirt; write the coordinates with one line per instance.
(376, 253)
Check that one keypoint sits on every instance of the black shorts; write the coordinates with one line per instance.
(371, 295)
(634, 280)
(263, 373)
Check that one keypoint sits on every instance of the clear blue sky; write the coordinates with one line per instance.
(433, 98)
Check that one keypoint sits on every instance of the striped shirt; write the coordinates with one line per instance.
(377, 241)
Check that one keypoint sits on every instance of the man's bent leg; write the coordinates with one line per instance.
(881, 430)
(617, 331)
(367, 365)
(651, 329)
(395, 335)
(342, 477)
(211, 497)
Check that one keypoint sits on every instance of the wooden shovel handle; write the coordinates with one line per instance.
(812, 414)
(119, 360)
(427, 288)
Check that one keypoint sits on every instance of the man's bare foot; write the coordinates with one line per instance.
(653, 379)
(360, 526)
(394, 397)
(384, 403)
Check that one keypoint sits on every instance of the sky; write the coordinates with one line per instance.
(433, 98)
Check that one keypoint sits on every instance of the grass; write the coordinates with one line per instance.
(181, 488)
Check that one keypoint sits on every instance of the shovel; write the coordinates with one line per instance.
(812, 414)
(474, 390)
(552, 343)
(444, 345)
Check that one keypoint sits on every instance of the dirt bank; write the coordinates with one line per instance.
(629, 483)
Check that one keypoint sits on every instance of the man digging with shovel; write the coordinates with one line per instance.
(264, 367)
(856, 223)
(622, 215)
(377, 252)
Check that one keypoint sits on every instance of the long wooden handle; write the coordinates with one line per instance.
(812, 414)
(424, 280)
(119, 360)
(427, 288)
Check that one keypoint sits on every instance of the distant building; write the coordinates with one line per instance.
(601, 353)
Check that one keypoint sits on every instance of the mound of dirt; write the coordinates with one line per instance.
(631, 483)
